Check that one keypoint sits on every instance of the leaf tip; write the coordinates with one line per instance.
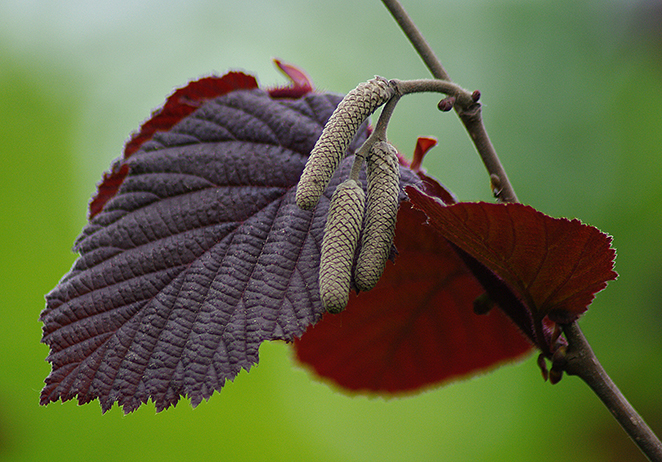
(423, 145)
(300, 83)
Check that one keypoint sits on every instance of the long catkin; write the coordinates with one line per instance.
(338, 132)
(341, 236)
(380, 216)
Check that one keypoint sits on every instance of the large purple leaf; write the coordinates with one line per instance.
(200, 256)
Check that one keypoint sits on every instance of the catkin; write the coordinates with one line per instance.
(380, 216)
(338, 132)
(341, 236)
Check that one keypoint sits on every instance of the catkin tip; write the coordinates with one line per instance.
(381, 214)
(335, 303)
(305, 200)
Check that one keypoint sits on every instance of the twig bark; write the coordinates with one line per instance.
(463, 97)
(416, 38)
(580, 360)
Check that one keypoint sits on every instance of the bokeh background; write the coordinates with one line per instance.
(572, 94)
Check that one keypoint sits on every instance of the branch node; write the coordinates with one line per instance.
(495, 185)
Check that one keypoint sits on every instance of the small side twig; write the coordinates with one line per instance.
(580, 360)
(400, 89)
(463, 98)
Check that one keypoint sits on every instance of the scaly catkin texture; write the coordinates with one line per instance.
(338, 132)
(381, 214)
(341, 236)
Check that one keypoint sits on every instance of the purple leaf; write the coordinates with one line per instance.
(200, 256)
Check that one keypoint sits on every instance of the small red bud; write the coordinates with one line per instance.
(556, 333)
(555, 375)
(558, 364)
(446, 104)
(475, 96)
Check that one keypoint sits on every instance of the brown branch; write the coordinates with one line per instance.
(470, 117)
(416, 38)
(580, 360)
(463, 98)
(473, 122)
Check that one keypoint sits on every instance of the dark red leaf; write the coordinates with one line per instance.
(416, 328)
(200, 256)
(430, 185)
(186, 100)
(108, 187)
(178, 105)
(555, 266)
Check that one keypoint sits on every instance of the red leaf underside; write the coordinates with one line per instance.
(416, 328)
(423, 145)
(554, 265)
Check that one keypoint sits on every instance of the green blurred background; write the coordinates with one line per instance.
(572, 94)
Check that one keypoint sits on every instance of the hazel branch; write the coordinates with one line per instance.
(414, 35)
(580, 360)
(471, 117)
(405, 87)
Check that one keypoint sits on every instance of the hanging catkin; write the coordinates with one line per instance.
(338, 132)
(380, 216)
(341, 236)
